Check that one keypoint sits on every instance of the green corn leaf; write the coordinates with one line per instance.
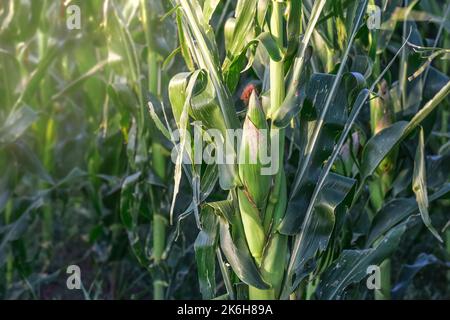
(328, 92)
(378, 147)
(169, 60)
(245, 14)
(261, 12)
(32, 83)
(185, 52)
(29, 161)
(309, 168)
(223, 208)
(131, 196)
(234, 245)
(87, 75)
(181, 107)
(419, 185)
(228, 31)
(22, 19)
(9, 65)
(127, 49)
(395, 211)
(293, 100)
(15, 230)
(158, 122)
(201, 21)
(332, 196)
(206, 57)
(225, 275)
(291, 107)
(232, 71)
(202, 104)
(205, 253)
(208, 181)
(238, 256)
(409, 271)
(127, 186)
(359, 103)
(178, 94)
(17, 122)
(208, 9)
(294, 23)
(351, 265)
(270, 45)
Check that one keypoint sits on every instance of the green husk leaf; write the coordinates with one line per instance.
(254, 141)
(234, 245)
(253, 225)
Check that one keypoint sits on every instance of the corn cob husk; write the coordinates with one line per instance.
(253, 195)
(272, 266)
(253, 227)
(254, 142)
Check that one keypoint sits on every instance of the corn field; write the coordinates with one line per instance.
(323, 170)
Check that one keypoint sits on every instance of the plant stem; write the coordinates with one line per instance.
(158, 160)
(273, 264)
(276, 67)
(9, 274)
(381, 116)
(47, 161)
(277, 92)
(159, 223)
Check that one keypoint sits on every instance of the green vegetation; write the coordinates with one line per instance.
(96, 125)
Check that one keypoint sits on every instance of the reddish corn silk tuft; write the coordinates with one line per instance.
(247, 92)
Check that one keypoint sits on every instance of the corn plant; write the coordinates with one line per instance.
(340, 165)
(383, 112)
(289, 234)
(75, 120)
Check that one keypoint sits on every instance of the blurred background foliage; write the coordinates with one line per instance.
(84, 169)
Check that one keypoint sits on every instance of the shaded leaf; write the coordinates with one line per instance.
(395, 211)
(17, 122)
(351, 265)
(409, 271)
(205, 253)
(419, 185)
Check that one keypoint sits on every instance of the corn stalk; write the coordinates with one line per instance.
(382, 116)
(255, 222)
(158, 152)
